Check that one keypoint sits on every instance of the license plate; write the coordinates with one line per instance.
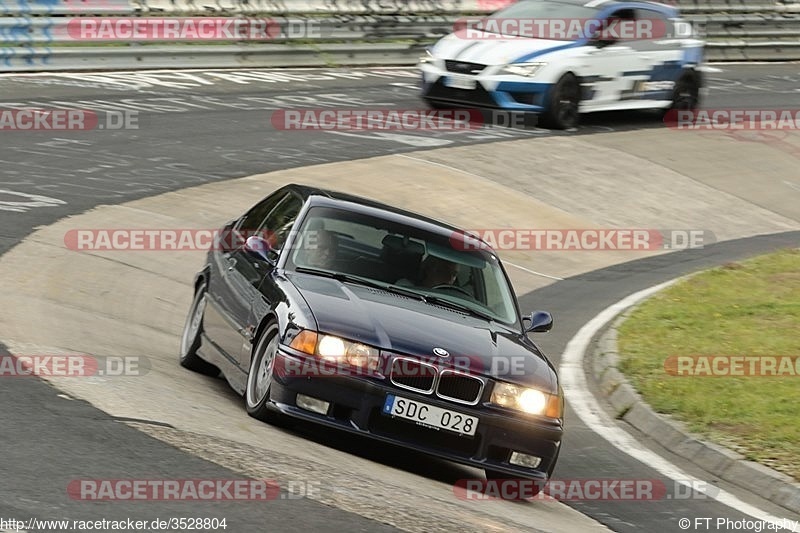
(460, 81)
(429, 415)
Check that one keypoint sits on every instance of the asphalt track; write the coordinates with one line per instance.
(219, 134)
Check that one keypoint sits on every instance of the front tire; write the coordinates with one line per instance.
(191, 339)
(259, 378)
(686, 94)
(562, 109)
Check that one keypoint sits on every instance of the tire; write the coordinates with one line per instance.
(259, 377)
(686, 94)
(564, 101)
(191, 339)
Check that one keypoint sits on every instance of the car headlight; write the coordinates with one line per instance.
(336, 350)
(522, 69)
(427, 58)
(531, 401)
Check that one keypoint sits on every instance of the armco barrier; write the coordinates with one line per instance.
(47, 31)
(34, 34)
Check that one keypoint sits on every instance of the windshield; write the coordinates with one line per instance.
(540, 20)
(405, 258)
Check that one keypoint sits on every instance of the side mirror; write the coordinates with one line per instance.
(259, 248)
(601, 42)
(606, 35)
(541, 322)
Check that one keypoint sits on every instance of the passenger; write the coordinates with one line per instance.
(323, 246)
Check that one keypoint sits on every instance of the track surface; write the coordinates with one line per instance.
(224, 132)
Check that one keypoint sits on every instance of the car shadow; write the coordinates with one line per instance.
(590, 123)
(622, 120)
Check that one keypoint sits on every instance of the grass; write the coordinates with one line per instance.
(747, 308)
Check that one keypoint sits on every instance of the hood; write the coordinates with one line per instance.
(406, 325)
(494, 51)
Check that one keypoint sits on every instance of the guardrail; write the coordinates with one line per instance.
(42, 35)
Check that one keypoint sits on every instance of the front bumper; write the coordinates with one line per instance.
(356, 404)
(495, 91)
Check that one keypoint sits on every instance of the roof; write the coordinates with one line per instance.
(333, 198)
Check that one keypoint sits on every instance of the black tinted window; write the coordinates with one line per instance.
(280, 220)
(254, 218)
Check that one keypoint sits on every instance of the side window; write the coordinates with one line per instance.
(281, 219)
(620, 26)
(652, 25)
(253, 219)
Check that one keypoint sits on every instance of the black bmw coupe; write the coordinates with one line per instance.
(346, 312)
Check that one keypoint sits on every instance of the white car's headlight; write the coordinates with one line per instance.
(427, 58)
(531, 401)
(522, 69)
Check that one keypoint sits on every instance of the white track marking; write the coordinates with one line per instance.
(585, 406)
(442, 165)
(529, 271)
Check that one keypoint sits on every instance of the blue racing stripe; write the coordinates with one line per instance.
(539, 53)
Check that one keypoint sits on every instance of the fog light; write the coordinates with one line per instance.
(525, 460)
(312, 404)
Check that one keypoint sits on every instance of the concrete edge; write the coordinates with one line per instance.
(628, 405)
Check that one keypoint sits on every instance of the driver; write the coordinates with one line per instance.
(437, 271)
(322, 248)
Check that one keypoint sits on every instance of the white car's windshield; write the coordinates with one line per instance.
(538, 20)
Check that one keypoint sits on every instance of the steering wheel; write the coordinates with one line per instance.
(452, 288)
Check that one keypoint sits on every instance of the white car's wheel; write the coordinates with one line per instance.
(686, 95)
(564, 101)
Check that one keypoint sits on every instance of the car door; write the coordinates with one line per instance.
(231, 277)
(277, 226)
(660, 54)
(608, 61)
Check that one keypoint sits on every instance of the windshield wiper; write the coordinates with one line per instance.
(445, 302)
(340, 276)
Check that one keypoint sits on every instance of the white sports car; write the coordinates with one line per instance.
(560, 58)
